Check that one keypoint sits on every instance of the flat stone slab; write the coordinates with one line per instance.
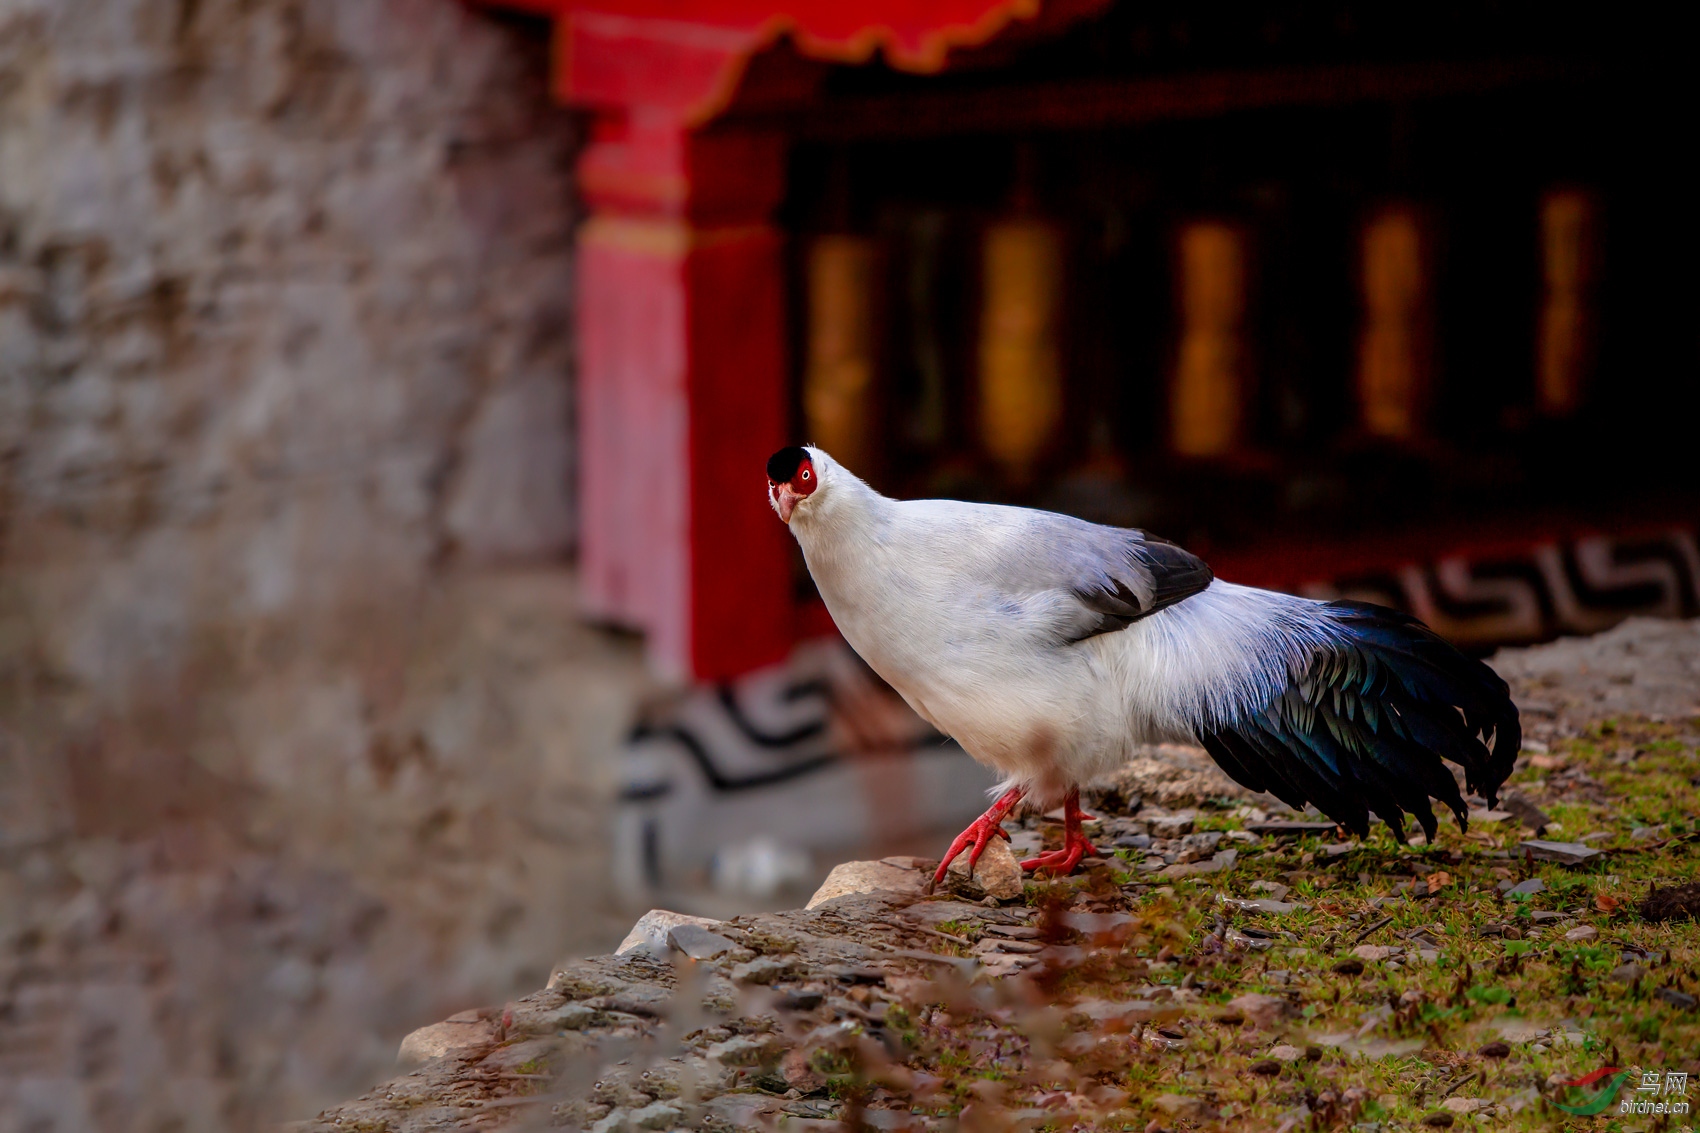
(866, 877)
(1566, 853)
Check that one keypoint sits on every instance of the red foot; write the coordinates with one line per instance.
(1075, 846)
(979, 834)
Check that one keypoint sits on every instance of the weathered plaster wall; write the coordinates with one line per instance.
(284, 292)
(301, 740)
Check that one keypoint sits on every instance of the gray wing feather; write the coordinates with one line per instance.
(1163, 573)
(1111, 576)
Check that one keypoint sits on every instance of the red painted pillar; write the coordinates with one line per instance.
(683, 391)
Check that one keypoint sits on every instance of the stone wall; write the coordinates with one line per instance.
(301, 739)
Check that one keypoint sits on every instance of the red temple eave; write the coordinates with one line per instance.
(686, 57)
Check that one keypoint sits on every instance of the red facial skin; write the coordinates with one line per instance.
(784, 496)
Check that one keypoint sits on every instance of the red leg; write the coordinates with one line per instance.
(980, 833)
(1075, 846)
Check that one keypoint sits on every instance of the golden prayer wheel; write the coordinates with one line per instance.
(1207, 392)
(1565, 342)
(838, 378)
(1020, 355)
(1394, 349)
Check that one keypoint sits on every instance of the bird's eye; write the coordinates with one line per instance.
(805, 473)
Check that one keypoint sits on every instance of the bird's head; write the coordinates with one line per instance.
(793, 475)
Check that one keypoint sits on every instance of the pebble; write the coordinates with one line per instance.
(762, 970)
(996, 874)
(1529, 888)
(1373, 952)
(1627, 973)
(652, 928)
(1678, 999)
(1285, 1053)
(1261, 1010)
(1463, 1105)
(1582, 934)
(1172, 826)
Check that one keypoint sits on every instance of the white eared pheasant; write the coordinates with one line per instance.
(1048, 647)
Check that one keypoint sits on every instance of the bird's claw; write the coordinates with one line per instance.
(1062, 862)
(1074, 847)
(978, 835)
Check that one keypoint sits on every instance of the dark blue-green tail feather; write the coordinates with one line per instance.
(1369, 723)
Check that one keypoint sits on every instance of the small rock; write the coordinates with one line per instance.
(1261, 1010)
(1439, 1119)
(1274, 889)
(458, 1034)
(698, 943)
(867, 877)
(996, 874)
(1373, 952)
(1548, 916)
(803, 999)
(746, 1050)
(1172, 826)
(1339, 849)
(1681, 1000)
(1286, 1053)
(658, 1115)
(1530, 887)
(1648, 833)
(1581, 934)
(1566, 853)
(1268, 1068)
(1627, 973)
(617, 1121)
(1495, 1050)
(763, 970)
(1463, 1106)
(1181, 1106)
(652, 928)
(1349, 967)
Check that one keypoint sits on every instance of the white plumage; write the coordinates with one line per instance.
(1048, 647)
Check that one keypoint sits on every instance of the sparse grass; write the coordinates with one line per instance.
(1391, 1044)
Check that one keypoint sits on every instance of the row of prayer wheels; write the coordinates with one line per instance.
(1019, 349)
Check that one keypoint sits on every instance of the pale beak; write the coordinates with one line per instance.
(783, 500)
